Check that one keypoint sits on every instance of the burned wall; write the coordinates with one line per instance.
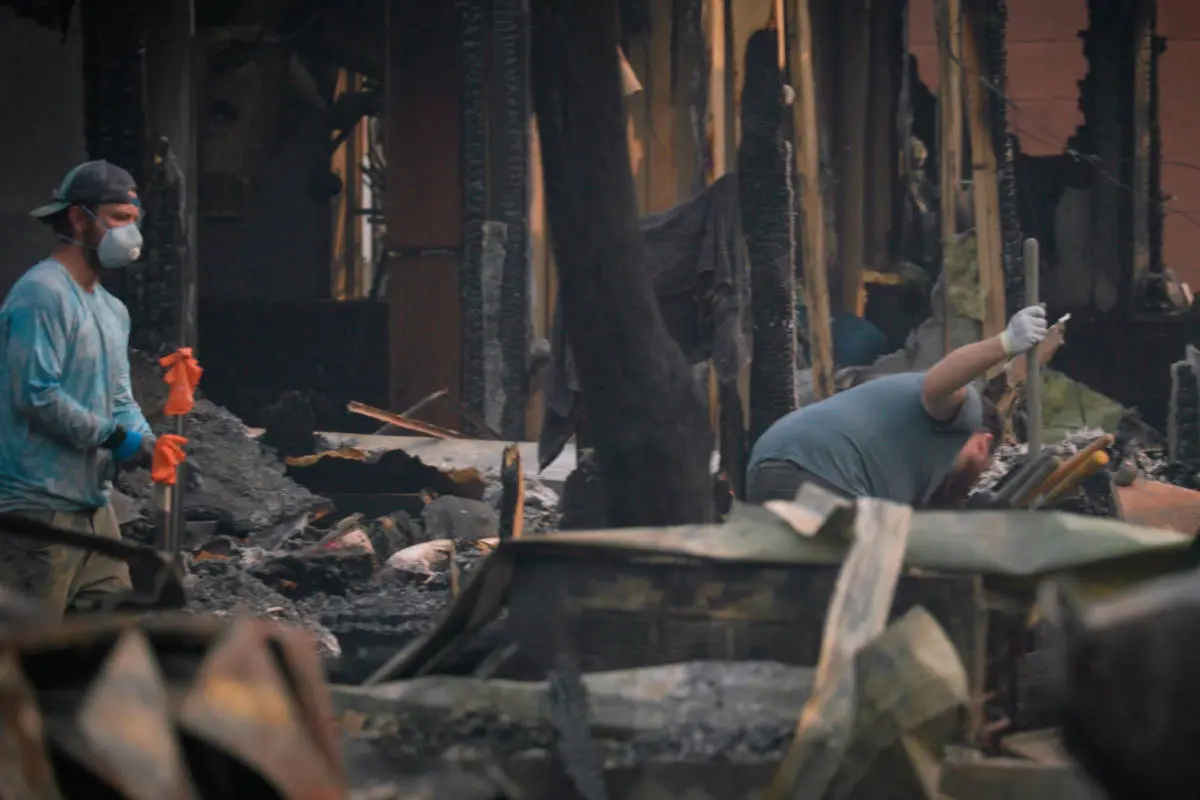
(1179, 119)
(41, 86)
(278, 248)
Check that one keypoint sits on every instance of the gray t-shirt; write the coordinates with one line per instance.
(875, 440)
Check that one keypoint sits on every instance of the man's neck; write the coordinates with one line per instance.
(75, 261)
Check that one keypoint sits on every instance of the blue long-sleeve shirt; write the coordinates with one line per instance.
(64, 388)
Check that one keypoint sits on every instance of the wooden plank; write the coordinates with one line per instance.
(637, 123)
(720, 90)
(858, 612)
(748, 17)
(812, 210)
(1143, 95)
(688, 81)
(948, 17)
(424, 231)
(722, 107)
(544, 286)
(985, 179)
(661, 167)
(882, 140)
(855, 56)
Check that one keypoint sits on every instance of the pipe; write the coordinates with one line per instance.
(1033, 373)
(1095, 462)
(1075, 462)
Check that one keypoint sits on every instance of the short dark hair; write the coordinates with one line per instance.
(992, 423)
(60, 222)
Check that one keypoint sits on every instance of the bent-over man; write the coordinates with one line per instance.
(921, 438)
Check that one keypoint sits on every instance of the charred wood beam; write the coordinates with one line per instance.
(113, 103)
(473, 49)
(494, 275)
(814, 234)
(653, 441)
(689, 83)
(1156, 155)
(765, 196)
(986, 195)
(510, 176)
(995, 58)
(853, 116)
(1106, 95)
(1143, 34)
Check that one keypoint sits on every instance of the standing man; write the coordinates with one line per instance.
(920, 438)
(67, 413)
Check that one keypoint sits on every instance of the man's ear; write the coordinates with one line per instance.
(79, 218)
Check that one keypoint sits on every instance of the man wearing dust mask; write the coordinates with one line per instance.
(67, 413)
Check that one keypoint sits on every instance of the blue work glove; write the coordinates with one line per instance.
(127, 446)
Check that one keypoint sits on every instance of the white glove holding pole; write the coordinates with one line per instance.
(1026, 328)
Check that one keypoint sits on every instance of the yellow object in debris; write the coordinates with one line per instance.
(1094, 463)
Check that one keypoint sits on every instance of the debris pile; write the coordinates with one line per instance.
(263, 538)
(231, 479)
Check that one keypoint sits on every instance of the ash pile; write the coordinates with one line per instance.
(281, 539)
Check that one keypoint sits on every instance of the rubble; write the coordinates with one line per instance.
(694, 712)
(261, 542)
(231, 478)
(459, 519)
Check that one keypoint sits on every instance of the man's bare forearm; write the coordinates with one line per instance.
(946, 381)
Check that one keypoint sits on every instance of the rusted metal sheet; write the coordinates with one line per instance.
(123, 730)
(1160, 505)
(25, 769)
(241, 703)
(115, 697)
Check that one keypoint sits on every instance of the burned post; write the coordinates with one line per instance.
(473, 109)
(495, 156)
(812, 201)
(653, 442)
(765, 196)
(994, 54)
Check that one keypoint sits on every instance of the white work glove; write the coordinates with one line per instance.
(1026, 328)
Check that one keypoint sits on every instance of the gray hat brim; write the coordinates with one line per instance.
(48, 210)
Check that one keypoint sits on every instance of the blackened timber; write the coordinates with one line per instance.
(855, 56)
(163, 301)
(765, 197)
(814, 235)
(1106, 98)
(995, 56)
(473, 27)
(1143, 93)
(653, 441)
(735, 450)
(1155, 222)
(114, 37)
(689, 85)
(989, 245)
(510, 42)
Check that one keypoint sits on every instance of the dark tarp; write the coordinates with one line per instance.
(696, 256)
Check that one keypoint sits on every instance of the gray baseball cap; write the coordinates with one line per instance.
(92, 183)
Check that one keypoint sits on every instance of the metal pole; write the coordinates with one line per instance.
(1033, 372)
(180, 169)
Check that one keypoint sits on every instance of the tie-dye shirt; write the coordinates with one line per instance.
(64, 387)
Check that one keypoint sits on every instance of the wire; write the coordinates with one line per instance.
(1090, 159)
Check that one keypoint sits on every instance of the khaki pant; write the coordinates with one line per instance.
(60, 576)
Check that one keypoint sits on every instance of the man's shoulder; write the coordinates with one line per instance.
(903, 383)
(113, 302)
(41, 285)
